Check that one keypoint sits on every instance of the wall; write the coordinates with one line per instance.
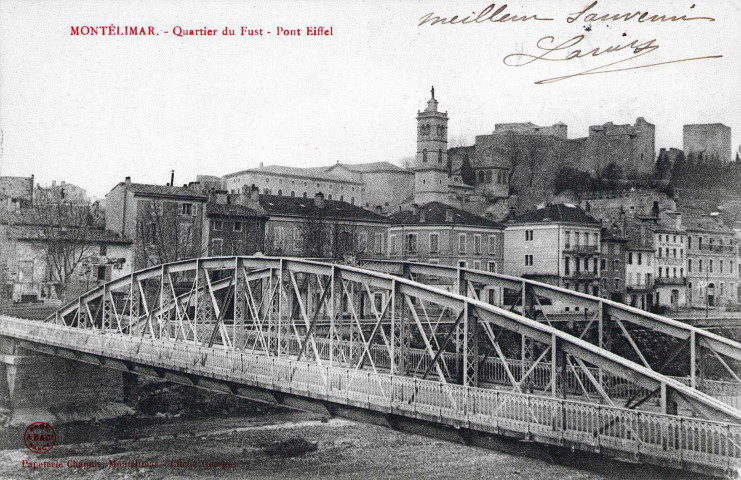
(712, 139)
(33, 380)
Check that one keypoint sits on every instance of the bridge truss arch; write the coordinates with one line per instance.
(386, 322)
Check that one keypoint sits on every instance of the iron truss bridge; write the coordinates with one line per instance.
(413, 342)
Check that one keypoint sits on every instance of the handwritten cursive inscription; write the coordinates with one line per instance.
(551, 51)
(488, 14)
(640, 17)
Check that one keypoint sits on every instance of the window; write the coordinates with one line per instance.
(379, 243)
(104, 273)
(528, 260)
(640, 258)
(576, 239)
(293, 193)
(528, 235)
(218, 225)
(710, 265)
(362, 241)
(186, 209)
(411, 241)
(477, 264)
(434, 243)
(567, 267)
(661, 270)
(596, 239)
(689, 265)
(603, 264)
(440, 155)
(492, 244)
(394, 247)
(616, 265)
(630, 258)
(461, 264)
(216, 246)
(492, 267)
(477, 244)
(567, 236)
(424, 155)
(237, 226)
(462, 243)
(700, 265)
(481, 176)
(104, 251)
(689, 242)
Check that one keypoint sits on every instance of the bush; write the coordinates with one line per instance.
(293, 447)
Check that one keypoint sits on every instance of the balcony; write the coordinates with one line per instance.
(643, 288)
(671, 281)
(584, 275)
(582, 249)
(729, 249)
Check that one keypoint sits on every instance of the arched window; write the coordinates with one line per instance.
(280, 192)
(342, 198)
(440, 156)
(424, 155)
(481, 176)
(352, 200)
(329, 197)
(304, 194)
(293, 193)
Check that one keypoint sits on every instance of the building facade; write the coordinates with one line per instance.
(164, 222)
(444, 235)
(671, 265)
(234, 224)
(557, 244)
(613, 250)
(320, 228)
(712, 268)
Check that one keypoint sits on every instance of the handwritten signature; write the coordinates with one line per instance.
(550, 51)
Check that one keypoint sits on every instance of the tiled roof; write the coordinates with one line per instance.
(93, 235)
(374, 167)
(314, 173)
(560, 212)
(704, 223)
(306, 207)
(232, 210)
(164, 190)
(434, 213)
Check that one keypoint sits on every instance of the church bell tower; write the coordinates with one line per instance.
(431, 162)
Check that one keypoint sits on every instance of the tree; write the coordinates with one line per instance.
(569, 178)
(168, 232)
(467, 174)
(68, 238)
(663, 166)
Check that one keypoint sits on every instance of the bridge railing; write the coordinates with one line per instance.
(493, 371)
(701, 445)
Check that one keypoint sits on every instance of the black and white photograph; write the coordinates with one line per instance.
(324, 239)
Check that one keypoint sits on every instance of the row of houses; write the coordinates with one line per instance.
(662, 260)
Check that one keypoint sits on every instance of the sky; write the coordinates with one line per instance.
(92, 110)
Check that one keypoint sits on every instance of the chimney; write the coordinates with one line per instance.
(53, 183)
(587, 207)
(261, 165)
(678, 221)
(319, 200)
(655, 209)
(379, 209)
(422, 215)
(128, 180)
(448, 214)
(415, 209)
(172, 177)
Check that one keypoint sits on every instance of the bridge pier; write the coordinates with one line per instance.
(35, 387)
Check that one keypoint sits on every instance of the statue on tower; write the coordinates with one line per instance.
(432, 90)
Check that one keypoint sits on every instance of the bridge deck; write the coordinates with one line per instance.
(695, 444)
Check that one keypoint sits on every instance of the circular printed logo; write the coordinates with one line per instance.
(40, 437)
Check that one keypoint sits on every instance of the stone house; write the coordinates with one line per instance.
(234, 224)
(320, 228)
(441, 234)
(557, 244)
(164, 222)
